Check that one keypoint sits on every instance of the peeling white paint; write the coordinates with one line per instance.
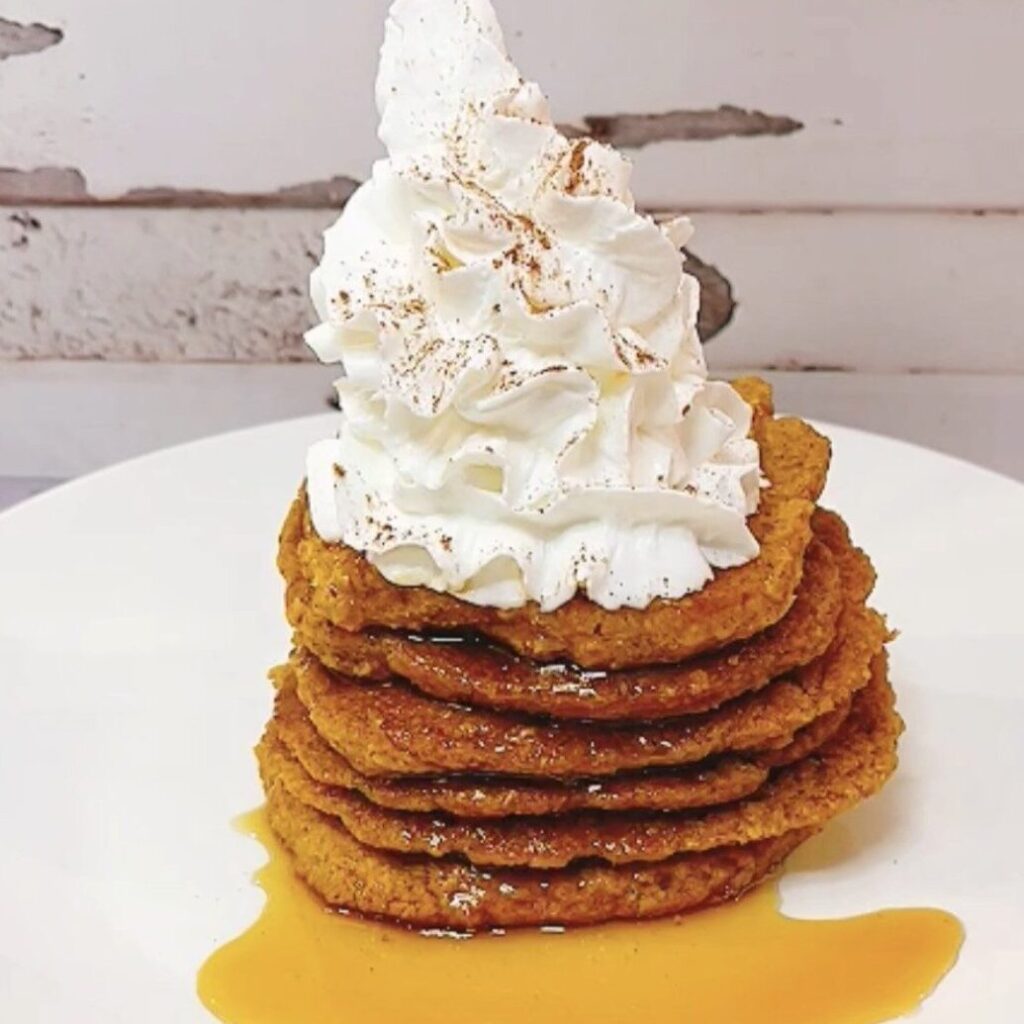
(18, 40)
(634, 131)
(55, 184)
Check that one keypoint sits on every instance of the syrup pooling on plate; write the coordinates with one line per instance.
(742, 963)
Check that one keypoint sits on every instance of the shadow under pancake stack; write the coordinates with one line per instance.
(449, 765)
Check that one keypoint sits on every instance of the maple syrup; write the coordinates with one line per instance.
(742, 963)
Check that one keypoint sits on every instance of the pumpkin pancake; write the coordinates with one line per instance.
(392, 729)
(339, 586)
(719, 781)
(855, 567)
(849, 768)
(488, 676)
(808, 739)
(452, 893)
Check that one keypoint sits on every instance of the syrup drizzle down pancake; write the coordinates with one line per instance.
(392, 729)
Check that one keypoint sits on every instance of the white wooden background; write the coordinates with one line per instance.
(166, 168)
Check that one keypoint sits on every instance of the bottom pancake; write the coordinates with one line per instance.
(451, 893)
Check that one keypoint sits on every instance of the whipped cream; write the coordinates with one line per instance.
(526, 410)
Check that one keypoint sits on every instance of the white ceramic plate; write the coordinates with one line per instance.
(140, 609)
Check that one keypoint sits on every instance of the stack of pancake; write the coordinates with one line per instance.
(455, 766)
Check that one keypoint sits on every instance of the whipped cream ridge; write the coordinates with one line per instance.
(525, 406)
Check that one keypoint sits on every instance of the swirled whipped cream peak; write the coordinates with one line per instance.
(526, 413)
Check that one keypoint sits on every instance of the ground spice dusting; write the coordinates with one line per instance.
(576, 158)
(437, 364)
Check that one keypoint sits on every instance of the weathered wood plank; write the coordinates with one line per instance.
(884, 292)
(913, 103)
(871, 291)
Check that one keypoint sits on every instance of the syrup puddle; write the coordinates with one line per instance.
(743, 963)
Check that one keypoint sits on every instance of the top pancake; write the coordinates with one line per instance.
(489, 676)
(342, 588)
